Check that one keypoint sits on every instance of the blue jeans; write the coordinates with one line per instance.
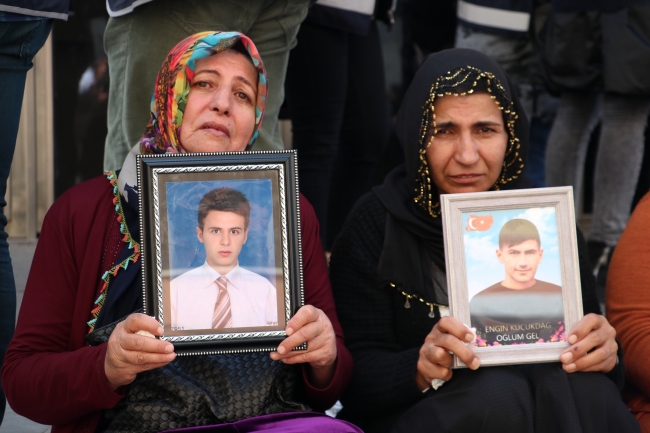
(539, 132)
(19, 43)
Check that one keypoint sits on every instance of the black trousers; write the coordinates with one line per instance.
(539, 398)
(335, 88)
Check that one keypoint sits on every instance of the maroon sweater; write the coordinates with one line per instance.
(50, 374)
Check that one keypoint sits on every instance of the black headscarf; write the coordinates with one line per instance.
(413, 238)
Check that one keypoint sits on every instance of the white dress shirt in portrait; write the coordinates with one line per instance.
(253, 300)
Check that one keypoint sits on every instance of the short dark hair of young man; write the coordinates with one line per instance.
(520, 252)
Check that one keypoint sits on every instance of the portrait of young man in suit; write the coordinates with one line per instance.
(220, 293)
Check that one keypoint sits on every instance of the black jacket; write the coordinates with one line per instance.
(593, 5)
(508, 17)
(350, 21)
(592, 51)
(41, 8)
(118, 8)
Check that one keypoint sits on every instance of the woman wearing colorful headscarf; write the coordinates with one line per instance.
(70, 365)
(462, 129)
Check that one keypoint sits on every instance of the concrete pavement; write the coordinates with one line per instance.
(21, 252)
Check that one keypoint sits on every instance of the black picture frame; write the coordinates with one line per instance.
(171, 187)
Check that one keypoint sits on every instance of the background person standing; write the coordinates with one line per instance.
(22, 33)
(338, 105)
(139, 34)
(597, 54)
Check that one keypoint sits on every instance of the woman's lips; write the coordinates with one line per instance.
(216, 129)
(466, 178)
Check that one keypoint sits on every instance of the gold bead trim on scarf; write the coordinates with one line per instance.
(407, 303)
(444, 86)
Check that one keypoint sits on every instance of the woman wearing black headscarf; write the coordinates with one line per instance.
(462, 129)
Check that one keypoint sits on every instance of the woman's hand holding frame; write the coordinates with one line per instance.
(447, 337)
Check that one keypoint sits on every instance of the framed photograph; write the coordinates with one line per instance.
(220, 236)
(512, 271)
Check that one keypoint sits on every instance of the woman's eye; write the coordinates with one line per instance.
(202, 84)
(243, 96)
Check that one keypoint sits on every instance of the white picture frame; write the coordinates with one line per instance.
(470, 261)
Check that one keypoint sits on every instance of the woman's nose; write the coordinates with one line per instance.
(466, 150)
(220, 101)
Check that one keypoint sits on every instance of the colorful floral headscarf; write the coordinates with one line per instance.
(173, 86)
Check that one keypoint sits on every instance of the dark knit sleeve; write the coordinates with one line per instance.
(587, 281)
(590, 304)
(383, 379)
